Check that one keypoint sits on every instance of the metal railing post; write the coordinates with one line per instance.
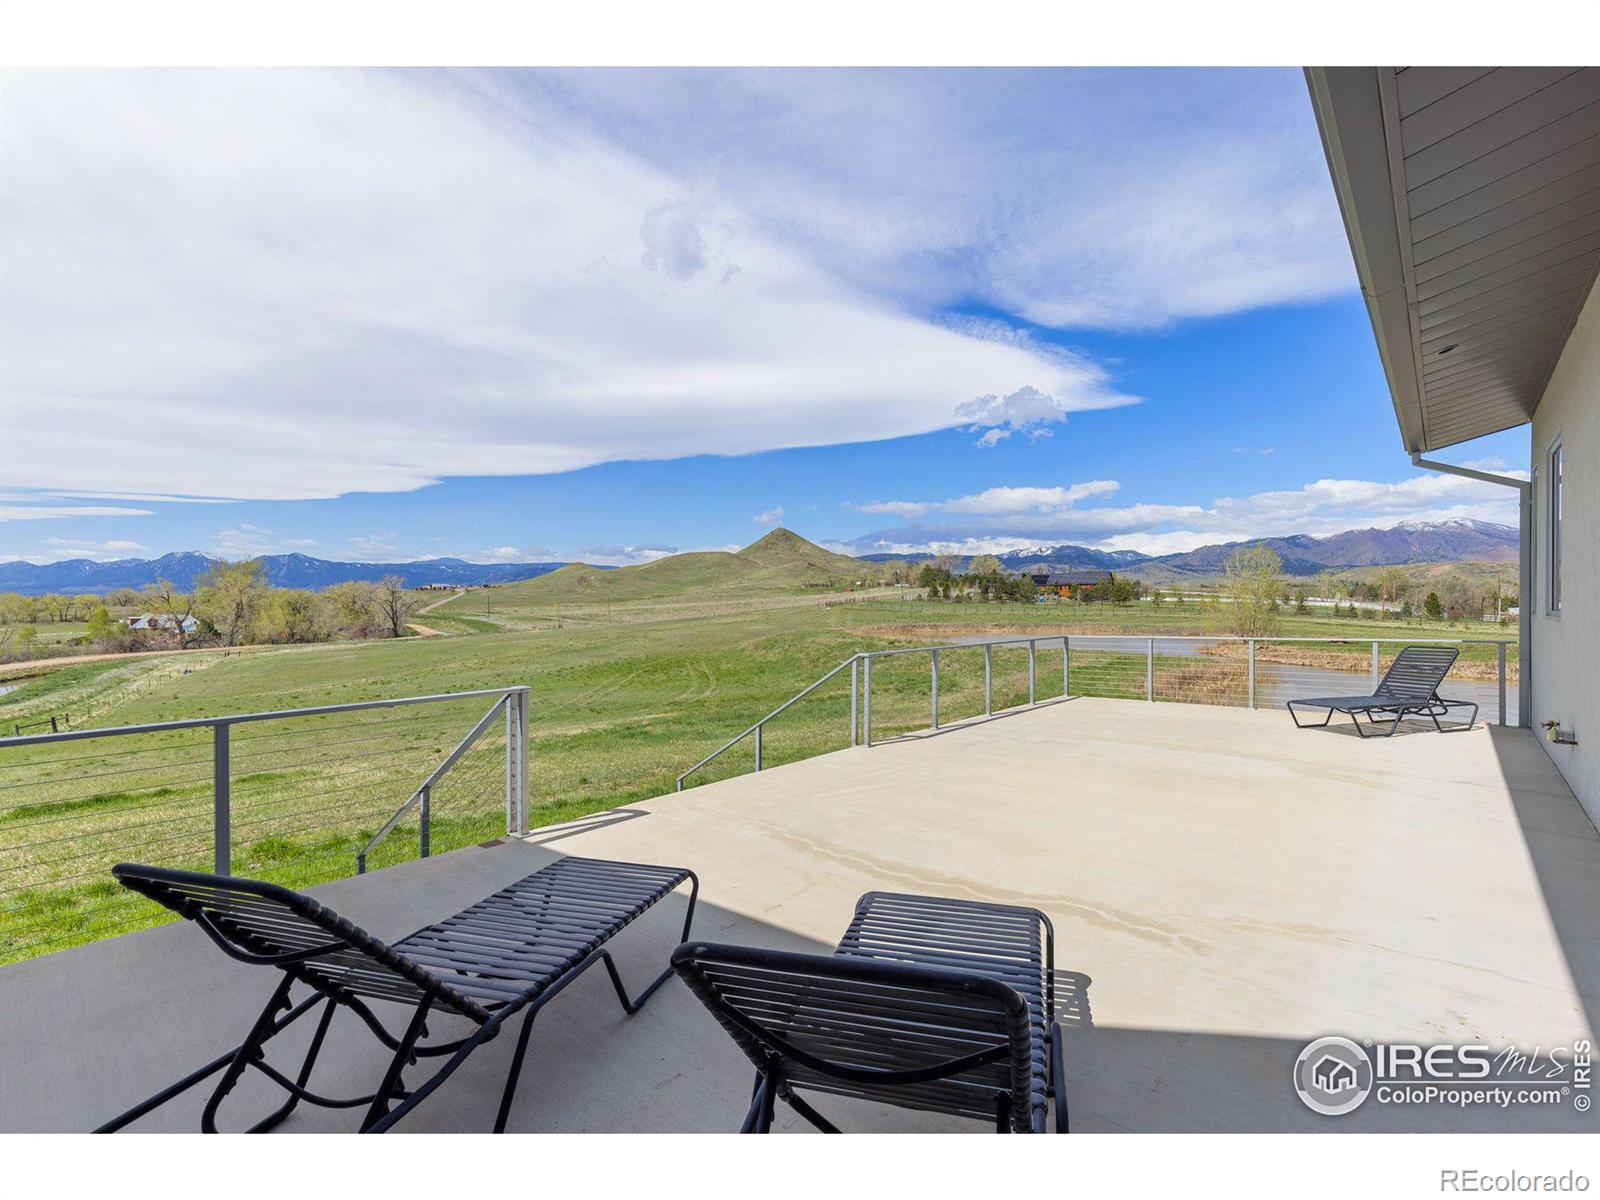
(1066, 669)
(1501, 648)
(1374, 663)
(1250, 677)
(855, 694)
(510, 722)
(1033, 697)
(524, 753)
(425, 830)
(758, 746)
(988, 680)
(866, 702)
(221, 800)
(1150, 669)
(933, 688)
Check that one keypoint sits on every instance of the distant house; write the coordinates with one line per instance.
(163, 621)
(1068, 584)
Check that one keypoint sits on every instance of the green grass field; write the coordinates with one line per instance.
(619, 708)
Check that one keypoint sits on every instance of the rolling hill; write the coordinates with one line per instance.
(781, 561)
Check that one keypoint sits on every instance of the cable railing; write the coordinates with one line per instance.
(983, 677)
(295, 796)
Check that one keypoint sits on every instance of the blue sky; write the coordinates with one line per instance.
(613, 314)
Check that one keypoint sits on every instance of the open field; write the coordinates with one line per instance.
(619, 709)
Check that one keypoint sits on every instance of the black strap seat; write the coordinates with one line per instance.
(1410, 687)
(512, 951)
(928, 1003)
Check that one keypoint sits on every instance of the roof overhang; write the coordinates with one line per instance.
(1471, 198)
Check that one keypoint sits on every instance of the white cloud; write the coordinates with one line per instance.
(508, 554)
(894, 508)
(1005, 518)
(47, 512)
(297, 284)
(624, 556)
(1068, 197)
(376, 547)
(63, 548)
(771, 517)
(141, 497)
(673, 243)
(252, 541)
(1026, 410)
(996, 501)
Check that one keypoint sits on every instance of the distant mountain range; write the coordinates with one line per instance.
(77, 576)
(1302, 554)
(1408, 542)
(1070, 558)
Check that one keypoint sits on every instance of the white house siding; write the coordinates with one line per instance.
(1566, 648)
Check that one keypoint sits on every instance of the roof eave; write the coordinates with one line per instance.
(1348, 103)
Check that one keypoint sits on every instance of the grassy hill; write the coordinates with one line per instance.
(781, 561)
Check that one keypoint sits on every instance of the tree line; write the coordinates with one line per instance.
(232, 604)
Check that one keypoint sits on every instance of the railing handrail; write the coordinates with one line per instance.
(865, 658)
(739, 737)
(242, 718)
(426, 785)
(1176, 637)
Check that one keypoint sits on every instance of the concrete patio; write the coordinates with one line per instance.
(1225, 888)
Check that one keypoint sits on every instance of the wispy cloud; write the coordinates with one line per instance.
(1068, 197)
(771, 517)
(252, 541)
(50, 512)
(623, 556)
(61, 548)
(380, 279)
(509, 554)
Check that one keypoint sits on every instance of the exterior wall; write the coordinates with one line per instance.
(1566, 647)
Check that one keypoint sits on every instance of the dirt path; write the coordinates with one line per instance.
(433, 604)
(423, 630)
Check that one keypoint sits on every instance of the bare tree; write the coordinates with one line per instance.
(1391, 582)
(396, 603)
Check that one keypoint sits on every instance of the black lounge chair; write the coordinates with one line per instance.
(510, 953)
(1410, 687)
(937, 1005)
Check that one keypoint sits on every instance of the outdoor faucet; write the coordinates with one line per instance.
(1552, 730)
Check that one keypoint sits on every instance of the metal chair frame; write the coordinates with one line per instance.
(1410, 687)
(261, 923)
(914, 1006)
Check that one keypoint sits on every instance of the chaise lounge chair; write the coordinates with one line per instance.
(936, 1005)
(1409, 687)
(510, 953)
